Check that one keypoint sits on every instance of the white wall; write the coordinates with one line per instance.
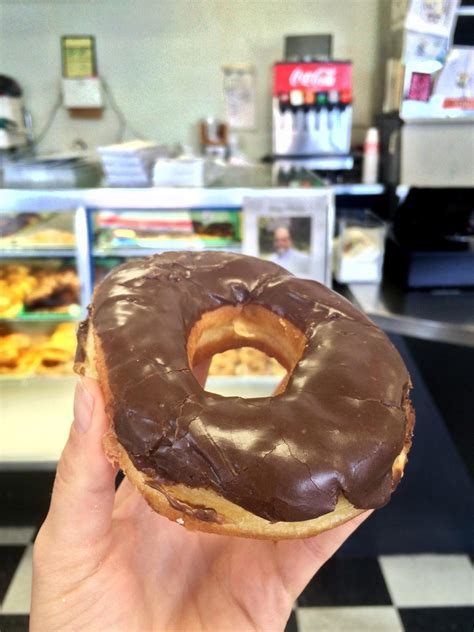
(162, 58)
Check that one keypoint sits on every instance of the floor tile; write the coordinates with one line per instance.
(25, 497)
(292, 625)
(362, 619)
(347, 582)
(14, 623)
(429, 580)
(18, 596)
(16, 535)
(437, 619)
(10, 557)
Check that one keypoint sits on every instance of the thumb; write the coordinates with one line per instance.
(83, 495)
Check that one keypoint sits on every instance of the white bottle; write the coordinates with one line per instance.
(370, 165)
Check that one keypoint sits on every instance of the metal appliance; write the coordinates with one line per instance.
(308, 47)
(15, 121)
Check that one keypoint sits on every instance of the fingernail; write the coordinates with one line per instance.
(83, 407)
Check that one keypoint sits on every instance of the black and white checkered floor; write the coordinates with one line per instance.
(415, 593)
(373, 584)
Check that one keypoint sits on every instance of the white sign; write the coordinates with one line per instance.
(239, 96)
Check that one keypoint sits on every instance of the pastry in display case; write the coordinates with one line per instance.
(358, 248)
(22, 355)
(36, 231)
(16, 357)
(38, 288)
(244, 361)
(167, 229)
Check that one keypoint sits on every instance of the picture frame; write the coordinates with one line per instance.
(300, 226)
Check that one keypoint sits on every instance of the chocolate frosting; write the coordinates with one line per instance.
(337, 428)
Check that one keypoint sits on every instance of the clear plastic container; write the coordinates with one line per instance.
(359, 247)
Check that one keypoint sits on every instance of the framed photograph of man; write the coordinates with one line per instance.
(293, 231)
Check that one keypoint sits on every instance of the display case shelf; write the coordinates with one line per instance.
(37, 253)
(243, 385)
(358, 189)
(144, 252)
(43, 318)
(38, 378)
(206, 198)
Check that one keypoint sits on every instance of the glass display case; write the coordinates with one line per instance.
(77, 236)
(55, 244)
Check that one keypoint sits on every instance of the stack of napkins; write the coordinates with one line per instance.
(185, 172)
(130, 164)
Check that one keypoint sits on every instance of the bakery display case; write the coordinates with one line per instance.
(39, 294)
(51, 234)
(54, 246)
(40, 305)
(38, 277)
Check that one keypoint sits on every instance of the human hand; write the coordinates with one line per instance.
(103, 560)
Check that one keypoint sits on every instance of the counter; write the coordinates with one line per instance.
(441, 316)
(41, 200)
(33, 431)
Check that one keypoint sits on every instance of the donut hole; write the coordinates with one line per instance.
(249, 327)
(245, 361)
(244, 372)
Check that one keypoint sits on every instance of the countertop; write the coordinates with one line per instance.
(438, 315)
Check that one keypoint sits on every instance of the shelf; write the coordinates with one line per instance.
(45, 317)
(358, 189)
(23, 380)
(65, 200)
(144, 252)
(243, 385)
(32, 253)
(253, 385)
(438, 316)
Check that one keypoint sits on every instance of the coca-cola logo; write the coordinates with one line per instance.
(318, 78)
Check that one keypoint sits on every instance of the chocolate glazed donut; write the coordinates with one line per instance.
(332, 442)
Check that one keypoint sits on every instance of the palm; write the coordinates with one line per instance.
(157, 575)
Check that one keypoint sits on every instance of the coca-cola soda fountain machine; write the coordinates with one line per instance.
(312, 113)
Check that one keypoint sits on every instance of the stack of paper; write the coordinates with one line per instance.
(185, 172)
(130, 164)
